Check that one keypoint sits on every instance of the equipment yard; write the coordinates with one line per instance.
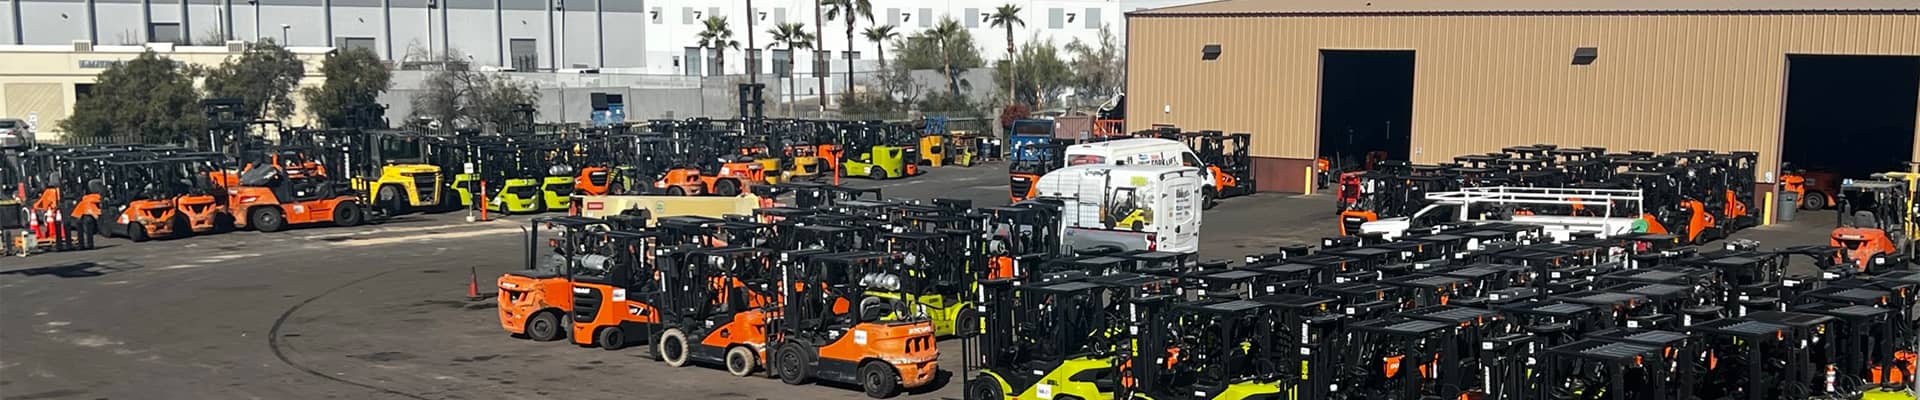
(378, 312)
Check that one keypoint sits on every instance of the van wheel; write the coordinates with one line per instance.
(879, 380)
(1207, 194)
(611, 338)
(791, 361)
(346, 214)
(740, 361)
(544, 327)
(673, 347)
(137, 232)
(984, 388)
(267, 219)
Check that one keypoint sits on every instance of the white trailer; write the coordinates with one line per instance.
(1155, 208)
(1609, 211)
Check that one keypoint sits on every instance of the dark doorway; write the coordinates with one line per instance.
(1850, 116)
(1366, 105)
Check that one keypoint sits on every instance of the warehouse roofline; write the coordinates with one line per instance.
(1280, 8)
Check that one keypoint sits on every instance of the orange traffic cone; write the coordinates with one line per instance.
(473, 284)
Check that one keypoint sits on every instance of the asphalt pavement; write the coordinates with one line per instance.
(382, 312)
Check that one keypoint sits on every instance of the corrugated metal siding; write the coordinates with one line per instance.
(1661, 82)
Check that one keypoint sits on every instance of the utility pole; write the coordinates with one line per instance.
(256, 20)
(431, 5)
(753, 53)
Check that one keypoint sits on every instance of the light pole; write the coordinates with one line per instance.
(256, 19)
(283, 35)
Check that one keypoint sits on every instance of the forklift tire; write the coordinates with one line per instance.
(181, 228)
(792, 363)
(984, 388)
(879, 380)
(875, 172)
(1813, 201)
(676, 191)
(89, 226)
(673, 347)
(391, 198)
(610, 338)
(347, 214)
(137, 232)
(740, 361)
(726, 187)
(222, 223)
(543, 327)
(267, 219)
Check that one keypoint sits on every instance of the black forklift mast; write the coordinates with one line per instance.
(1554, 322)
(1401, 358)
(1195, 350)
(1307, 333)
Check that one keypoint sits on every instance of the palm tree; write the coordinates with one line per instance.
(880, 35)
(854, 10)
(717, 36)
(943, 35)
(795, 36)
(1008, 16)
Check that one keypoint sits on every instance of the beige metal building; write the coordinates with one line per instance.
(1657, 75)
(40, 83)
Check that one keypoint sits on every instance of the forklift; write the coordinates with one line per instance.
(1226, 155)
(1874, 222)
(1048, 340)
(715, 308)
(513, 178)
(269, 198)
(390, 166)
(1764, 355)
(875, 152)
(1399, 358)
(1209, 350)
(532, 302)
(612, 288)
(817, 335)
(932, 275)
(204, 202)
(137, 200)
(1595, 369)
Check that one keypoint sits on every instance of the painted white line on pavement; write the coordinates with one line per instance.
(405, 229)
(181, 266)
(438, 236)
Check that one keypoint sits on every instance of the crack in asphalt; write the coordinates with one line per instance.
(273, 341)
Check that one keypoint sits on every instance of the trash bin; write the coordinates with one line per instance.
(1789, 203)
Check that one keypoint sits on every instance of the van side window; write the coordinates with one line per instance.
(1188, 159)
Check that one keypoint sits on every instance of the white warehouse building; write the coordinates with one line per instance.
(623, 36)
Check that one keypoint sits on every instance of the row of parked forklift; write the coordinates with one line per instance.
(840, 286)
(1697, 195)
(1488, 311)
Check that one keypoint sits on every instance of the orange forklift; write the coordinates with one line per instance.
(713, 309)
(612, 287)
(533, 301)
(819, 334)
(270, 198)
(137, 200)
(1873, 227)
(203, 201)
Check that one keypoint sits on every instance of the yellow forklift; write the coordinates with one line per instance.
(391, 167)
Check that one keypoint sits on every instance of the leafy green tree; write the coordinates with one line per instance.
(793, 35)
(854, 10)
(1100, 69)
(1042, 74)
(946, 47)
(355, 79)
(719, 37)
(148, 98)
(460, 98)
(263, 78)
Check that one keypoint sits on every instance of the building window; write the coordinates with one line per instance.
(781, 63)
(355, 42)
(926, 17)
(1093, 18)
(713, 11)
(780, 15)
(687, 16)
(1056, 18)
(164, 32)
(523, 54)
(82, 90)
(893, 16)
(693, 61)
(969, 14)
(713, 59)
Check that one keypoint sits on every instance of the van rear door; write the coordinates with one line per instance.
(1178, 228)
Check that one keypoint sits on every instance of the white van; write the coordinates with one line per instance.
(1131, 207)
(1143, 151)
